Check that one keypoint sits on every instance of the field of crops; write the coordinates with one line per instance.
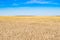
(30, 28)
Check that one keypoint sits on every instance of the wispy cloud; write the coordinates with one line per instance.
(37, 1)
(15, 4)
(41, 2)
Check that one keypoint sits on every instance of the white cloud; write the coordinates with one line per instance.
(30, 2)
(55, 3)
(30, 11)
(15, 4)
(37, 1)
(40, 2)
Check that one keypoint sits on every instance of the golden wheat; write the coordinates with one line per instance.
(30, 28)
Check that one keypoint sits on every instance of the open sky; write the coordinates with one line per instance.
(29, 7)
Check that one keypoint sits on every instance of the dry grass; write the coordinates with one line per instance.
(29, 28)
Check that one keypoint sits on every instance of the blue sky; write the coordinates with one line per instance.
(29, 3)
(29, 7)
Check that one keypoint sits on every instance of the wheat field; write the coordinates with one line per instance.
(30, 28)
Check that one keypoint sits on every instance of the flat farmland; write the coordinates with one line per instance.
(29, 28)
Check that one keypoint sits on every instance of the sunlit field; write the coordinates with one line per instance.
(29, 28)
